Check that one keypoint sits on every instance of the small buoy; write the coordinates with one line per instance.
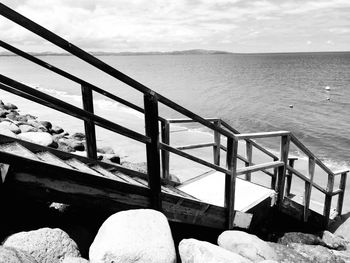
(327, 88)
(328, 99)
(291, 106)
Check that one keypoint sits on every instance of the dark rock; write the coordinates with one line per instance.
(1, 103)
(56, 130)
(10, 106)
(3, 113)
(78, 136)
(46, 124)
(316, 253)
(288, 255)
(302, 238)
(110, 158)
(53, 145)
(12, 255)
(74, 144)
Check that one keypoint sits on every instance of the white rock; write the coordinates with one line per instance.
(10, 126)
(248, 246)
(46, 245)
(12, 255)
(7, 132)
(74, 260)
(42, 138)
(141, 235)
(195, 251)
(27, 128)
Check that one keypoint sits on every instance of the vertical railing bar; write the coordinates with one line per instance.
(152, 150)
(289, 176)
(165, 127)
(285, 141)
(342, 185)
(230, 180)
(328, 198)
(217, 141)
(308, 188)
(249, 153)
(274, 177)
(89, 126)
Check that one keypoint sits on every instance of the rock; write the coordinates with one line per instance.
(46, 245)
(78, 136)
(141, 235)
(106, 150)
(46, 124)
(7, 132)
(110, 158)
(56, 130)
(12, 255)
(246, 245)
(10, 126)
(316, 253)
(74, 260)
(27, 128)
(287, 255)
(3, 113)
(195, 251)
(30, 117)
(343, 254)
(12, 115)
(21, 118)
(334, 242)
(268, 261)
(10, 106)
(302, 238)
(344, 229)
(140, 167)
(74, 144)
(42, 138)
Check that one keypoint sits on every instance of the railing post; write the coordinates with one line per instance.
(289, 176)
(89, 126)
(308, 188)
(285, 141)
(165, 126)
(249, 152)
(342, 185)
(217, 141)
(328, 198)
(230, 180)
(152, 150)
(274, 178)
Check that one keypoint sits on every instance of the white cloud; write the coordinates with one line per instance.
(166, 25)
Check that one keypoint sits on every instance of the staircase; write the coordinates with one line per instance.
(59, 176)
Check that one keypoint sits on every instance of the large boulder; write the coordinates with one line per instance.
(7, 132)
(287, 255)
(301, 238)
(246, 245)
(27, 128)
(316, 253)
(46, 245)
(344, 229)
(141, 235)
(42, 138)
(195, 251)
(12, 255)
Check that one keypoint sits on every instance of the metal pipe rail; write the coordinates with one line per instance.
(151, 138)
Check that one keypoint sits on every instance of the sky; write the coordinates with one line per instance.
(242, 26)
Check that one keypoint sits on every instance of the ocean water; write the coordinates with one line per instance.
(252, 92)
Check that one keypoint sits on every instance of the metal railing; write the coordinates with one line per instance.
(158, 149)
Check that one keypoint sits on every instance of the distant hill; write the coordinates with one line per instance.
(101, 53)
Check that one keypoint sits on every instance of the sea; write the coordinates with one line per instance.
(305, 93)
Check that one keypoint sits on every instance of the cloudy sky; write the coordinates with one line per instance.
(164, 25)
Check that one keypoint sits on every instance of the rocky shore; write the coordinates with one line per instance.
(29, 128)
(33, 231)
